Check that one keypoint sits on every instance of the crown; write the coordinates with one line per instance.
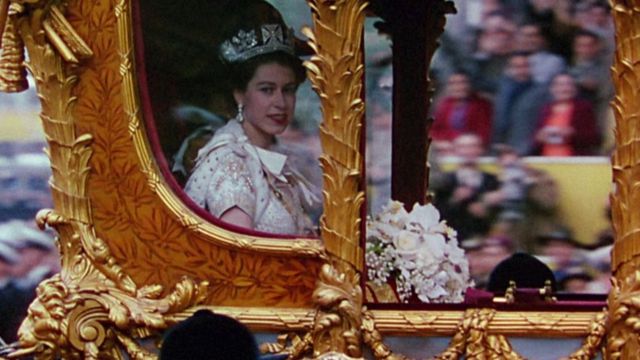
(246, 44)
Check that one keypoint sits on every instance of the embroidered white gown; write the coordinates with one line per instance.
(231, 172)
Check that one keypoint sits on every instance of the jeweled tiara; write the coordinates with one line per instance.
(246, 44)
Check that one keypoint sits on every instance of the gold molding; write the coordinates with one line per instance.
(423, 322)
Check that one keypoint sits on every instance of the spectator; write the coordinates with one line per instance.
(567, 124)
(461, 111)
(544, 64)
(600, 260)
(554, 17)
(597, 19)
(590, 69)
(517, 106)
(209, 336)
(460, 198)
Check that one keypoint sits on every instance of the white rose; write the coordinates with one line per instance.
(406, 241)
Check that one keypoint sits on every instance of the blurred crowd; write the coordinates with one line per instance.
(514, 209)
(530, 74)
(27, 254)
(522, 78)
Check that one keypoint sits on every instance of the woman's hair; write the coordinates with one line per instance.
(241, 73)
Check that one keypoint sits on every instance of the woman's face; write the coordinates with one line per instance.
(563, 88)
(458, 86)
(269, 102)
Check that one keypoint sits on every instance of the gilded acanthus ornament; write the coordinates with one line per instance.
(336, 73)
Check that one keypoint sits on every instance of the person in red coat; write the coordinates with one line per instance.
(461, 111)
(567, 125)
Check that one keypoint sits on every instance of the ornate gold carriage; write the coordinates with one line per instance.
(136, 259)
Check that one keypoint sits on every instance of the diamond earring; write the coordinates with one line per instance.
(240, 116)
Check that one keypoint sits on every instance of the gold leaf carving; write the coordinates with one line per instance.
(624, 297)
(593, 343)
(154, 237)
(13, 75)
(474, 341)
(373, 339)
(337, 323)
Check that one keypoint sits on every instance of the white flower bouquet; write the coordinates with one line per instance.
(419, 252)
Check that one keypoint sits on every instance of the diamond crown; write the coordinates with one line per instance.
(246, 44)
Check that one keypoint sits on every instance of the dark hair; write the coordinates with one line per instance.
(241, 73)
(525, 270)
(209, 336)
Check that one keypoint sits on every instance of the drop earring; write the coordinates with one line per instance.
(239, 115)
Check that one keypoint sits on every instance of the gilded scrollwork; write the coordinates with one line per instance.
(13, 75)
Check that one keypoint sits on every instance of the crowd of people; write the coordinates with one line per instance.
(531, 74)
(514, 209)
(522, 78)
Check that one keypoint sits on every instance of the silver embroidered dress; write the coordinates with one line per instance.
(231, 172)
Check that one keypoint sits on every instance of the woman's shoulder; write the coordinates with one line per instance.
(228, 144)
(228, 154)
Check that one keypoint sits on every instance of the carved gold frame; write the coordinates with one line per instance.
(119, 223)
